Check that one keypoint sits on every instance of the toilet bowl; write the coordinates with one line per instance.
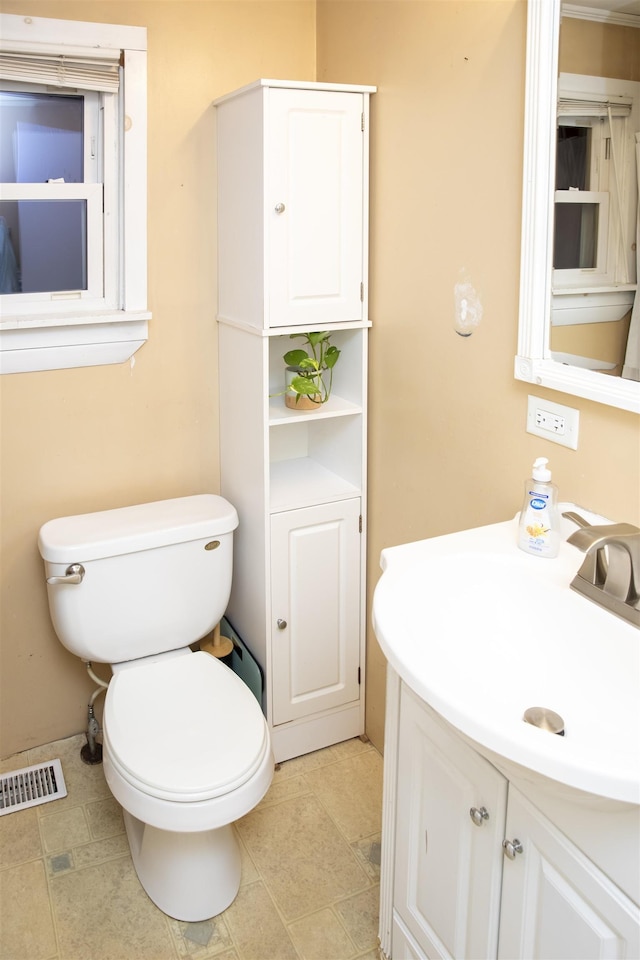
(186, 747)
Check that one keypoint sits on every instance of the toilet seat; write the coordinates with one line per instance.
(184, 728)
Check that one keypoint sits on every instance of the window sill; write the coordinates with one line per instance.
(50, 343)
(569, 307)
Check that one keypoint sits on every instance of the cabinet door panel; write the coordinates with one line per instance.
(315, 180)
(447, 869)
(316, 590)
(556, 902)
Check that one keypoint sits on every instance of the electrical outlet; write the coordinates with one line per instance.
(553, 422)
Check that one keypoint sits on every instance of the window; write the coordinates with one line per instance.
(52, 211)
(72, 198)
(581, 213)
(595, 196)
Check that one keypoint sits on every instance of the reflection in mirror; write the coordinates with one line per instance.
(578, 330)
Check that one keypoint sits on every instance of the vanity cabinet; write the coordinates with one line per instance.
(292, 257)
(449, 888)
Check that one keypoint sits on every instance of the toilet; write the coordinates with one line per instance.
(186, 747)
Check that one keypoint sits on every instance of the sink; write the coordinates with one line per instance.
(482, 631)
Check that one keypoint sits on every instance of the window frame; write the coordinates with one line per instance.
(102, 210)
(578, 98)
(72, 333)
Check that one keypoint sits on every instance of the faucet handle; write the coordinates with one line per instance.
(592, 537)
(610, 573)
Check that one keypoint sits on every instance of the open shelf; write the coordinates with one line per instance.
(303, 482)
(334, 407)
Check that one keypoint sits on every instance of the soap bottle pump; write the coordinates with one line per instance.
(539, 527)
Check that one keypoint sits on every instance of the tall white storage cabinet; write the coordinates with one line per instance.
(292, 257)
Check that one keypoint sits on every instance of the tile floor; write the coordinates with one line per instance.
(310, 878)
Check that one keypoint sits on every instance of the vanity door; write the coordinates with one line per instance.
(555, 901)
(449, 830)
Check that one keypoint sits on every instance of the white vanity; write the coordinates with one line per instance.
(501, 839)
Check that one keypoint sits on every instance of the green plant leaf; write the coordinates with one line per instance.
(309, 364)
(294, 358)
(317, 337)
(331, 357)
(305, 385)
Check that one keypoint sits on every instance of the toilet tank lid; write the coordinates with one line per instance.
(110, 533)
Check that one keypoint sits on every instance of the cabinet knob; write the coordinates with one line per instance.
(511, 848)
(282, 624)
(479, 815)
(279, 208)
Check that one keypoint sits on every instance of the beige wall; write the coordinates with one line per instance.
(94, 438)
(448, 447)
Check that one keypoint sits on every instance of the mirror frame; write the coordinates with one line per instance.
(533, 362)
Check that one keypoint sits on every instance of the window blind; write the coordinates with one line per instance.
(593, 108)
(86, 73)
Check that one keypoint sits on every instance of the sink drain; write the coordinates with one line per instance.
(545, 719)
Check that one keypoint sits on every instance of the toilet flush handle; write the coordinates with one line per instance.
(73, 574)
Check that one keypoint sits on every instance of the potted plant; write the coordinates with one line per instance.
(306, 384)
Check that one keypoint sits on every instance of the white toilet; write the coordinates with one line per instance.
(186, 747)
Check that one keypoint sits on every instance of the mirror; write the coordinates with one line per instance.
(535, 363)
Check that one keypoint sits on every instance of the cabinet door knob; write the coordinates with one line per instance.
(479, 815)
(511, 848)
(279, 208)
(282, 624)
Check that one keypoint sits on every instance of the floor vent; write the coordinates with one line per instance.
(31, 786)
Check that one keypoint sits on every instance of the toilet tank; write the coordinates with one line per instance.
(157, 576)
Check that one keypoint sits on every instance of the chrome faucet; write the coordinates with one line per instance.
(610, 573)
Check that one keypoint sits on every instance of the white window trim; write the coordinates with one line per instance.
(533, 363)
(58, 340)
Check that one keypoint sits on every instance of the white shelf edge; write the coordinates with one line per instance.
(334, 407)
(296, 328)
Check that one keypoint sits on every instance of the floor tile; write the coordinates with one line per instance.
(321, 935)
(360, 917)
(310, 870)
(351, 791)
(20, 837)
(301, 855)
(256, 927)
(100, 850)
(25, 914)
(105, 818)
(209, 938)
(63, 829)
(284, 787)
(321, 758)
(368, 852)
(102, 912)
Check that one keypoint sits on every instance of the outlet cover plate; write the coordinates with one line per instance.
(553, 421)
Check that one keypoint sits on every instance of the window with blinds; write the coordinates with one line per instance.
(72, 239)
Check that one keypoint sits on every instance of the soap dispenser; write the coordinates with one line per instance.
(539, 527)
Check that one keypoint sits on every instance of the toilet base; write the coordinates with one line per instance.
(189, 876)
